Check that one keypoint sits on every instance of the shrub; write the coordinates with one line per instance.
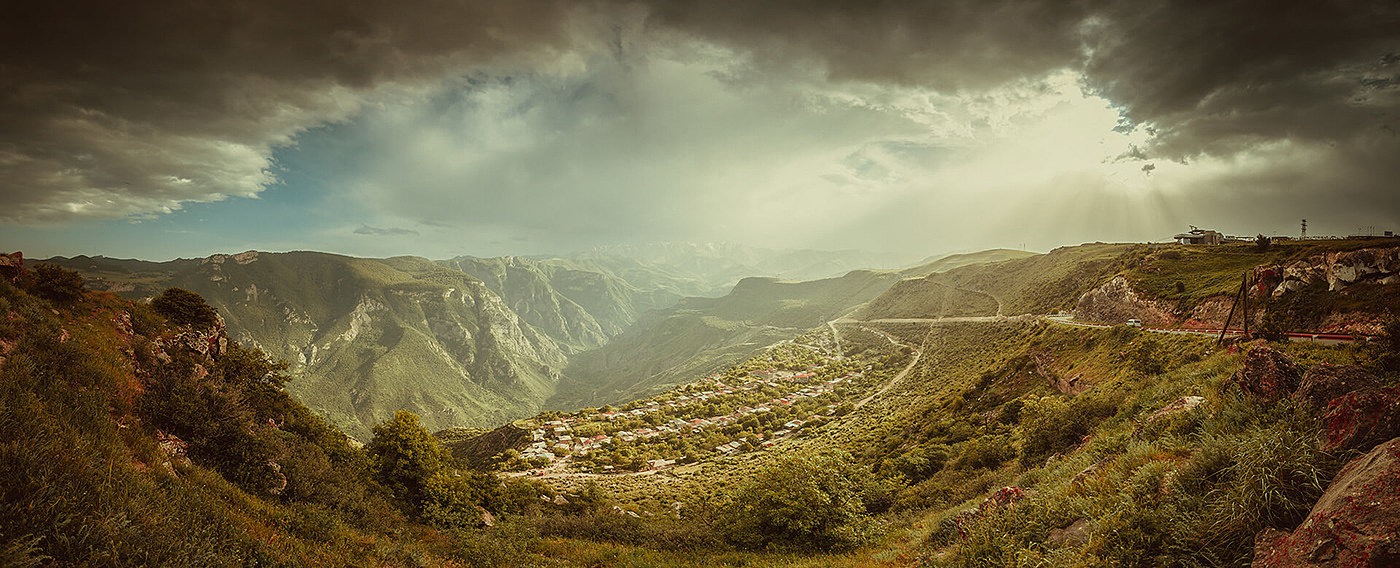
(1050, 425)
(450, 499)
(806, 502)
(183, 307)
(920, 462)
(55, 283)
(1145, 357)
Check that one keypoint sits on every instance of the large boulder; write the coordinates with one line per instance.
(1356, 523)
(1267, 373)
(1325, 382)
(1361, 419)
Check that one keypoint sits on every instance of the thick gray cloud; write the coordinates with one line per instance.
(533, 118)
(109, 109)
(1216, 77)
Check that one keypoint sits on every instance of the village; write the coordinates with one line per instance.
(749, 407)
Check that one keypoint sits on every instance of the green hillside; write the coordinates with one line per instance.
(123, 445)
(986, 442)
(1033, 284)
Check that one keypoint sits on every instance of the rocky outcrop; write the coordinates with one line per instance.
(1339, 270)
(1325, 382)
(1361, 419)
(11, 265)
(1267, 373)
(1075, 535)
(1356, 523)
(1116, 302)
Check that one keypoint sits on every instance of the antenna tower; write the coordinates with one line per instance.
(1305, 231)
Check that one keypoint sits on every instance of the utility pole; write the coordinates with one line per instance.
(1241, 297)
(1304, 237)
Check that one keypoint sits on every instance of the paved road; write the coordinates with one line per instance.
(1322, 338)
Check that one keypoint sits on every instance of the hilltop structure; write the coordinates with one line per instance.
(1200, 237)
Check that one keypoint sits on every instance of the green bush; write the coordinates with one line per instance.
(1050, 424)
(803, 502)
(55, 283)
(186, 308)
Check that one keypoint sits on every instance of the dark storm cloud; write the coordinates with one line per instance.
(958, 44)
(1217, 77)
(120, 109)
(114, 108)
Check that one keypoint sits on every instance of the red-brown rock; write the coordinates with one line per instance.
(1361, 419)
(1267, 373)
(1325, 382)
(1005, 498)
(11, 265)
(1356, 523)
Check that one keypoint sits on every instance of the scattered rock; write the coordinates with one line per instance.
(1267, 373)
(1088, 472)
(1361, 419)
(174, 449)
(1325, 382)
(1183, 404)
(1002, 499)
(487, 518)
(1076, 534)
(279, 479)
(1356, 523)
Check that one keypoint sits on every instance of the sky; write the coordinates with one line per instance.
(163, 129)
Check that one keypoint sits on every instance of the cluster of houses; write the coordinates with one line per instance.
(556, 438)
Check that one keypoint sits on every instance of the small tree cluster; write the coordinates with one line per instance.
(410, 463)
(186, 308)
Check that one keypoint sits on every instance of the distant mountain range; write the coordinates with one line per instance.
(479, 341)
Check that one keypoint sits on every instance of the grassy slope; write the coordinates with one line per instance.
(1215, 270)
(83, 480)
(976, 371)
(1033, 284)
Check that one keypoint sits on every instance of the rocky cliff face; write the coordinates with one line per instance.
(1347, 290)
(1116, 302)
(1338, 270)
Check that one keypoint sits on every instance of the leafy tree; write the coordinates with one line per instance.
(807, 502)
(404, 456)
(183, 307)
